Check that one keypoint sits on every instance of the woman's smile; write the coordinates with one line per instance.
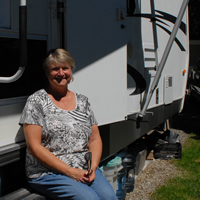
(59, 79)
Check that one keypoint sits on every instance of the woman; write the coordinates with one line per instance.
(60, 129)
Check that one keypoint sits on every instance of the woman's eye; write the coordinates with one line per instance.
(54, 69)
(65, 68)
(58, 68)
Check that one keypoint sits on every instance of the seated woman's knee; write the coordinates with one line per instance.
(87, 195)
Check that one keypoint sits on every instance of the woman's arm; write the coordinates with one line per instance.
(33, 134)
(95, 147)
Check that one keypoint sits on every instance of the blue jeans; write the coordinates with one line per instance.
(58, 186)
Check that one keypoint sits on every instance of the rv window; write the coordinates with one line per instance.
(5, 14)
(33, 77)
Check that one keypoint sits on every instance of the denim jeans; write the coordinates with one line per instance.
(58, 186)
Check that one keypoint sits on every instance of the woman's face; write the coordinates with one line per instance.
(59, 74)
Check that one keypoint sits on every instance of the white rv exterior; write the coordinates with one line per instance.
(117, 54)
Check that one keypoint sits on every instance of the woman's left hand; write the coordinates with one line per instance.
(92, 176)
(95, 147)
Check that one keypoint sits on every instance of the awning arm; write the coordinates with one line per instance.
(23, 44)
(163, 59)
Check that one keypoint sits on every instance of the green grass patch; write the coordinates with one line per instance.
(187, 185)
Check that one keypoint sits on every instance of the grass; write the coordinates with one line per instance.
(187, 185)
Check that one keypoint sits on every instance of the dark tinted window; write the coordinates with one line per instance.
(33, 77)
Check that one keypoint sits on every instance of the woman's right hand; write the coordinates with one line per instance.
(79, 175)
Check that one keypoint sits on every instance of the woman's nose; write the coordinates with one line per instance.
(60, 72)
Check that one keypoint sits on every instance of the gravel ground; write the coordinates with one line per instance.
(157, 171)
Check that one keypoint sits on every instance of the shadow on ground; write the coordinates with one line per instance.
(189, 119)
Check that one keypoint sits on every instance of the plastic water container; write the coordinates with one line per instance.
(121, 182)
(122, 154)
(110, 171)
(101, 168)
(130, 161)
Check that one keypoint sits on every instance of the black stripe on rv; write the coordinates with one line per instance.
(171, 19)
(167, 17)
(138, 78)
(176, 39)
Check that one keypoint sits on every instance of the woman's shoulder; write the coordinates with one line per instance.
(81, 97)
(37, 96)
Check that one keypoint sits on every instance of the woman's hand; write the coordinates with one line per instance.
(95, 147)
(79, 175)
(92, 176)
(82, 176)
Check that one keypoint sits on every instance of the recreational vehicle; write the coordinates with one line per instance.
(131, 57)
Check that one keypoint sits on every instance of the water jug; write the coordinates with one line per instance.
(121, 182)
(110, 171)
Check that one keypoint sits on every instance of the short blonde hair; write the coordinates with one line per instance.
(58, 56)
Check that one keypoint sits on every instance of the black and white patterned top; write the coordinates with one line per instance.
(64, 133)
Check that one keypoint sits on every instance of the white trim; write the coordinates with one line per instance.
(15, 100)
(29, 36)
(6, 33)
(12, 140)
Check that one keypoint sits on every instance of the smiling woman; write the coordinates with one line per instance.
(60, 130)
(58, 68)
